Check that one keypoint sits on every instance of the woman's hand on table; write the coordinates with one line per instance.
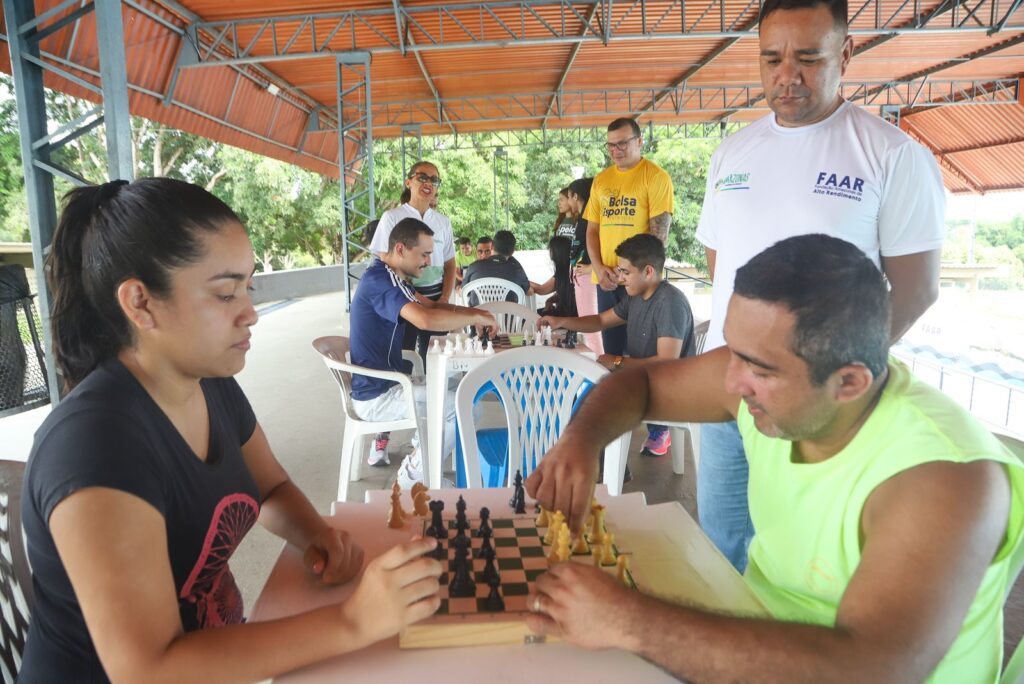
(333, 556)
(398, 588)
(582, 604)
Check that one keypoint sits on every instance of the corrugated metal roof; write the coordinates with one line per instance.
(232, 105)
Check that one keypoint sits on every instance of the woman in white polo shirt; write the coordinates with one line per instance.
(438, 279)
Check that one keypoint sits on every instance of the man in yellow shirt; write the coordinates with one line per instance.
(632, 196)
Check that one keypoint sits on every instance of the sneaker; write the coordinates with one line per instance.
(410, 471)
(379, 455)
(657, 443)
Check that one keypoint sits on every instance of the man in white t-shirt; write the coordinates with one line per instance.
(817, 164)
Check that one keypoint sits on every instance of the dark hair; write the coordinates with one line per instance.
(560, 250)
(408, 231)
(465, 241)
(837, 294)
(643, 250)
(837, 8)
(625, 121)
(505, 243)
(484, 239)
(581, 187)
(107, 234)
(405, 196)
(560, 219)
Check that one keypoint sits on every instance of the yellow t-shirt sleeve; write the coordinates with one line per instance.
(660, 195)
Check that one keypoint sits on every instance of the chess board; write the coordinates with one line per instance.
(520, 557)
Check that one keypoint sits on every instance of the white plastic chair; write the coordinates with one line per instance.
(334, 350)
(687, 432)
(512, 318)
(538, 387)
(492, 290)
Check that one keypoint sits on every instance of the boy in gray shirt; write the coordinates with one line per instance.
(657, 316)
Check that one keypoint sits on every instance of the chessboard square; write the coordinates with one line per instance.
(515, 589)
(515, 563)
(461, 605)
(499, 542)
(530, 541)
(502, 523)
(526, 531)
(506, 551)
(533, 574)
(513, 576)
(535, 562)
(503, 533)
(531, 551)
(516, 604)
(444, 609)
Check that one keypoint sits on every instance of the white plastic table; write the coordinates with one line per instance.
(671, 557)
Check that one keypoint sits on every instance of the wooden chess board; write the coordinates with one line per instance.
(520, 557)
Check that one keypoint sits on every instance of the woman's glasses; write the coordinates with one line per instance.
(424, 178)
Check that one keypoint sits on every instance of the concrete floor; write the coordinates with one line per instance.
(297, 403)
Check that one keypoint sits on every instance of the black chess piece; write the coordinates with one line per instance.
(485, 521)
(519, 497)
(494, 603)
(438, 552)
(485, 547)
(517, 485)
(489, 570)
(461, 584)
(437, 527)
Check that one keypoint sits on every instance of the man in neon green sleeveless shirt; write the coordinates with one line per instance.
(888, 522)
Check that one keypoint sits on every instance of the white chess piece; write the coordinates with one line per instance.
(537, 340)
(490, 349)
(467, 346)
(478, 347)
(435, 347)
(547, 334)
(449, 348)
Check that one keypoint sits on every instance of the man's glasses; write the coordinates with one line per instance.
(424, 178)
(620, 146)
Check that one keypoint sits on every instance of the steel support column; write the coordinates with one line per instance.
(412, 145)
(355, 153)
(114, 81)
(42, 206)
(38, 146)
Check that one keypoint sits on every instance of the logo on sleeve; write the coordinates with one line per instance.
(733, 181)
(837, 185)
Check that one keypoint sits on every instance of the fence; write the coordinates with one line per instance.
(998, 403)
(22, 370)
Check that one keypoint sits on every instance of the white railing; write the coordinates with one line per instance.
(996, 403)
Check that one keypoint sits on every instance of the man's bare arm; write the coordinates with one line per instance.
(690, 389)
(930, 534)
(658, 226)
(914, 282)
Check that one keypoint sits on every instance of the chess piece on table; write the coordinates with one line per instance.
(518, 501)
(437, 527)
(621, 569)
(449, 348)
(597, 530)
(607, 553)
(485, 549)
(435, 346)
(420, 500)
(485, 522)
(462, 584)
(490, 349)
(580, 545)
(396, 516)
(489, 569)
(557, 518)
(494, 603)
(562, 551)
(543, 519)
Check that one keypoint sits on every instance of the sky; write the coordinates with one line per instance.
(995, 206)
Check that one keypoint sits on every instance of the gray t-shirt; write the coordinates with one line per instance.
(665, 314)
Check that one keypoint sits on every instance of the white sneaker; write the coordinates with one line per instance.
(410, 471)
(379, 454)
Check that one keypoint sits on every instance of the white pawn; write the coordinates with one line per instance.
(478, 347)
(467, 346)
(547, 334)
(435, 347)
(449, 348)
(538, 340)
(490, 349)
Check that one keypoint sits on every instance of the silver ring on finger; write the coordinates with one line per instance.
(536, 605)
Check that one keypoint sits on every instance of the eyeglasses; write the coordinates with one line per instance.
(621, 146)
(424, 178)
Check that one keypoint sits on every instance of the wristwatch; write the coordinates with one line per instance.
(617, 363)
